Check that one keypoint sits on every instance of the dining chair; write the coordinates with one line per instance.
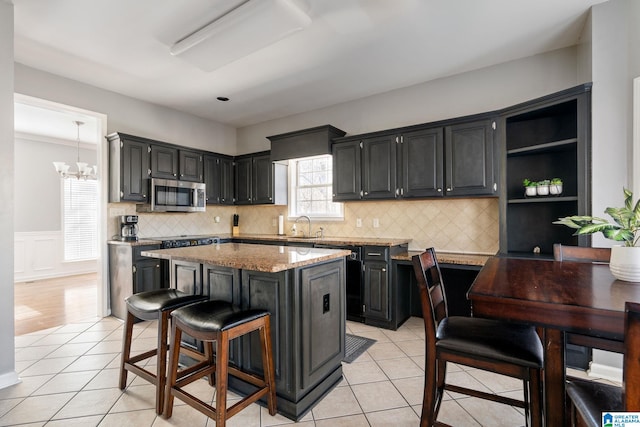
(589, 399)
(586, 254)
(580, 254)
(505, 348)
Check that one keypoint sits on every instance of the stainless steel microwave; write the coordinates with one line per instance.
(168, 195)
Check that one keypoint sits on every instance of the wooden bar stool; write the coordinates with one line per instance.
(221, 322)
(152, 305)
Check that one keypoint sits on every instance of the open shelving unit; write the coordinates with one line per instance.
(544, 139)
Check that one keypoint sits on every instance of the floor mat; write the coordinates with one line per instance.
(355, 346)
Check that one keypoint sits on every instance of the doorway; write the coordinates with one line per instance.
(45, 132)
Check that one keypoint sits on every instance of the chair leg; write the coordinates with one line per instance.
(441, 375)
(172, 376)
(208, 354)
(161, 361)
(222, 362)
(268, 365)
(427, 418)
(126, 349)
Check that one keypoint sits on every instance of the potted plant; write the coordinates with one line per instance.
(625, 260)
(529, 187)
(543, 187)
(555, 186)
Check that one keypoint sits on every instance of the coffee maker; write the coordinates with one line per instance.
(129, 227)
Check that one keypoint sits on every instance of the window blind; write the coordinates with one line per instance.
(80, 219)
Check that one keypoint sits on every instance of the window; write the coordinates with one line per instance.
(311, 188)
(80, 218)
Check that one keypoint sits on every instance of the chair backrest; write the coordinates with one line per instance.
(432, 295)
(631, 375)
(580, 254)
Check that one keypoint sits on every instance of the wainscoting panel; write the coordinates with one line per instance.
(39, 255)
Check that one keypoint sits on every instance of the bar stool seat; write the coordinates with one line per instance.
(221, 322)
(151, 305)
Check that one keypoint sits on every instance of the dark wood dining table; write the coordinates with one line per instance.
(582, 299)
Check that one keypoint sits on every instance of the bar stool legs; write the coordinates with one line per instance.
(220, 322)
(152, 305)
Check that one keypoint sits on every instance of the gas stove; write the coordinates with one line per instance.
(186, 240)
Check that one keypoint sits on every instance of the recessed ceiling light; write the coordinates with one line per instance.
(222, 98)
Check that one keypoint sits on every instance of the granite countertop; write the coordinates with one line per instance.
(447, 258)
(265, 258)
(329, 240)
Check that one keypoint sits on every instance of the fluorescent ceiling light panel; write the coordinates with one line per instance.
(248, 28)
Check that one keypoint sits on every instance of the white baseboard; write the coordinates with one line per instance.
(597, 370)
(8, 379)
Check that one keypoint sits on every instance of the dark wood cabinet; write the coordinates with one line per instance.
(421, 163)
(449, 158)
(218, 178)
(130, 273)
(347, 171)
(187, 277)
(258, 180)
(164, 161)
(169, 162)
(376, 290)
(544, 139)
(469, 158)
(379, 167)
(129, 168)
(190, 165)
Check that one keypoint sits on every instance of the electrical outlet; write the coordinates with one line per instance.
(325, 303)
(274, 222)
(358, 222)
(376, 223)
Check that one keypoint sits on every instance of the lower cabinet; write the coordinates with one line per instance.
(381, 298)
(130, 273)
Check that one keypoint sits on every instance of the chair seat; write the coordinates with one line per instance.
(215, 316)
(592, 398)
(146, 305)
(492, 339)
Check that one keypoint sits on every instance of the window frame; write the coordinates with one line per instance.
(292, 208)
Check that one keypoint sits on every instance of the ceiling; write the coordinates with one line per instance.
(351, 49)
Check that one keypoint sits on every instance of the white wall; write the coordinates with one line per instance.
(37, 185)
(8, 375)
(128, 115)
(473, 92)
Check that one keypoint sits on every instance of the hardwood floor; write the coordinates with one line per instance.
(43, 304)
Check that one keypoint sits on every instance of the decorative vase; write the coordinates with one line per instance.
(530, 191)
(542, 190)
(555, 189)
(625, 263)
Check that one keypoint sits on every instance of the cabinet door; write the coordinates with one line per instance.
(187, 277)
(147, 275)
(226, 181)
(135, 171)
(422, 163)
(243, 172)
(469, 159)
(347, 171)
(376, 290)
(164, 162)
(262, 180)
(212, 172)
(379, 167)
(190, 165)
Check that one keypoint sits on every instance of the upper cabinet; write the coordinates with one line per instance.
(422, 161)
(258, 180)
(128, 168)
(218, 179)
(169, 162)
(544, 139)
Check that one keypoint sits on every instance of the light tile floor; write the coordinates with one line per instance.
(70, 378)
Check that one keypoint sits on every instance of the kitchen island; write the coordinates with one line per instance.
(303, 289)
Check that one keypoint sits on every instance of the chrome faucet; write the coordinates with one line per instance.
(308, 234)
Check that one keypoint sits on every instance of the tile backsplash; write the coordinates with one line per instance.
(455, 225)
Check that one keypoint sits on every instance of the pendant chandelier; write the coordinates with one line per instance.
(84, 170)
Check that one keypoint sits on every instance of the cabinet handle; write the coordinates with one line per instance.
(439, 190)
(373, 254)
(384, 270)
(366, 192)
(449, 189)
(495, 186)
(157, 265)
